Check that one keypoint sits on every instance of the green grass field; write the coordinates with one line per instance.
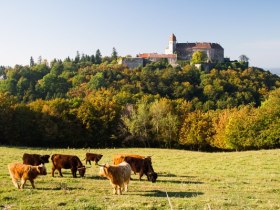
(193, 180)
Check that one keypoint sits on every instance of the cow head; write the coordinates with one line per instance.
(97, 158)
(42, 169)
(45, 158)
(103, 171)
(82, 171)
(148, 168)
(152, 176)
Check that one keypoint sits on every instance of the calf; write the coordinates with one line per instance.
(119, 176)
(35, 159)
(67, 162)
(139, 164)
(93, 157)
(23, 172)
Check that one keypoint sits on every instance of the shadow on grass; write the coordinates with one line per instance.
(179, 182)
(96, 177)
(60, 188)
(158, 193)
(174, 175)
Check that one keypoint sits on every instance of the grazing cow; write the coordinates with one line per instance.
(119, 176)
(139, 164)
(23, 172)
(35, 159)
(93, 157)
(67, 162)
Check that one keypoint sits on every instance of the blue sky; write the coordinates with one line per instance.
(59, 28)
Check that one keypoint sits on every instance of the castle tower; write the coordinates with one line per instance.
(172, 45)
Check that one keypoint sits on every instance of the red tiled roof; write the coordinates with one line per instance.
(155, 55)
(202, 45)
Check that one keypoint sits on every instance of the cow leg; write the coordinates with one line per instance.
(74, 172)
(32, 183)
(23, 181)
(115, 189)
(59, 171)
(126, 187)
(120, 190)
(89, 162)
(140, 175)
(53, 169)
(15, 183)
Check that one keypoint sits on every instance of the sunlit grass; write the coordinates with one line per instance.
(193, 180)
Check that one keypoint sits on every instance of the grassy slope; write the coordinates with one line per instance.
(193, 180)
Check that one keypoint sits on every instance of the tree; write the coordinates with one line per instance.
(138, 122)
(77, 58)
(98, 57)
(197, 130)
(243, 58)
(32, 62)
(92, 58)
(164, 122)
(114, 55)
(97, 81)
(40, 59)
(199, 57)
(52, 86)
(99, 114)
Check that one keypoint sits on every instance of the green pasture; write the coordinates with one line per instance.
(192, 180)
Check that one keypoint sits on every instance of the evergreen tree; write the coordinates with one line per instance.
(77, 58)
(98, 57)
(67, 59)
(32, 62)
(92, 58)
(40, 60)
(114, 54)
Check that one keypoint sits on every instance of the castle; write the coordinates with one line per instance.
(184, 51)
(180, 51)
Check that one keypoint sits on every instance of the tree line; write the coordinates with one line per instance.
(84, 103)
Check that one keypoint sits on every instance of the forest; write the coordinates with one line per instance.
(92, 101)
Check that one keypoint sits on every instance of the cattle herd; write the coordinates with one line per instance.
(119, 173)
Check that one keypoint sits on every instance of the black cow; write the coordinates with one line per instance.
(139, 164)
(93, 157)
(68, 162)
(35, 159)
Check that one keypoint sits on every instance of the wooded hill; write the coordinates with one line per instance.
(90, 101)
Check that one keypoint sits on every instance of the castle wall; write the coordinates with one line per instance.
(214, 55)
(132, 63)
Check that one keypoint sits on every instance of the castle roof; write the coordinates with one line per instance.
(198, 45)
(155, 55)
(172, 38)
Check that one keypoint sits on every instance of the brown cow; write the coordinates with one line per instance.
(119, 176)
(93, 157)
(139, 164)
(23, 172)
(67, 162)
(35, 159)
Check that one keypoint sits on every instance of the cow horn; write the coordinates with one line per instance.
(82, 167)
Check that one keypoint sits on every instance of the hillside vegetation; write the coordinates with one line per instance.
(93, 101)
(192, 180)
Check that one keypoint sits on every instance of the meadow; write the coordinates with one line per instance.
(192, 180)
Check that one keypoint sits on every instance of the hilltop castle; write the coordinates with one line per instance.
(180, 51)
(184, 51)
